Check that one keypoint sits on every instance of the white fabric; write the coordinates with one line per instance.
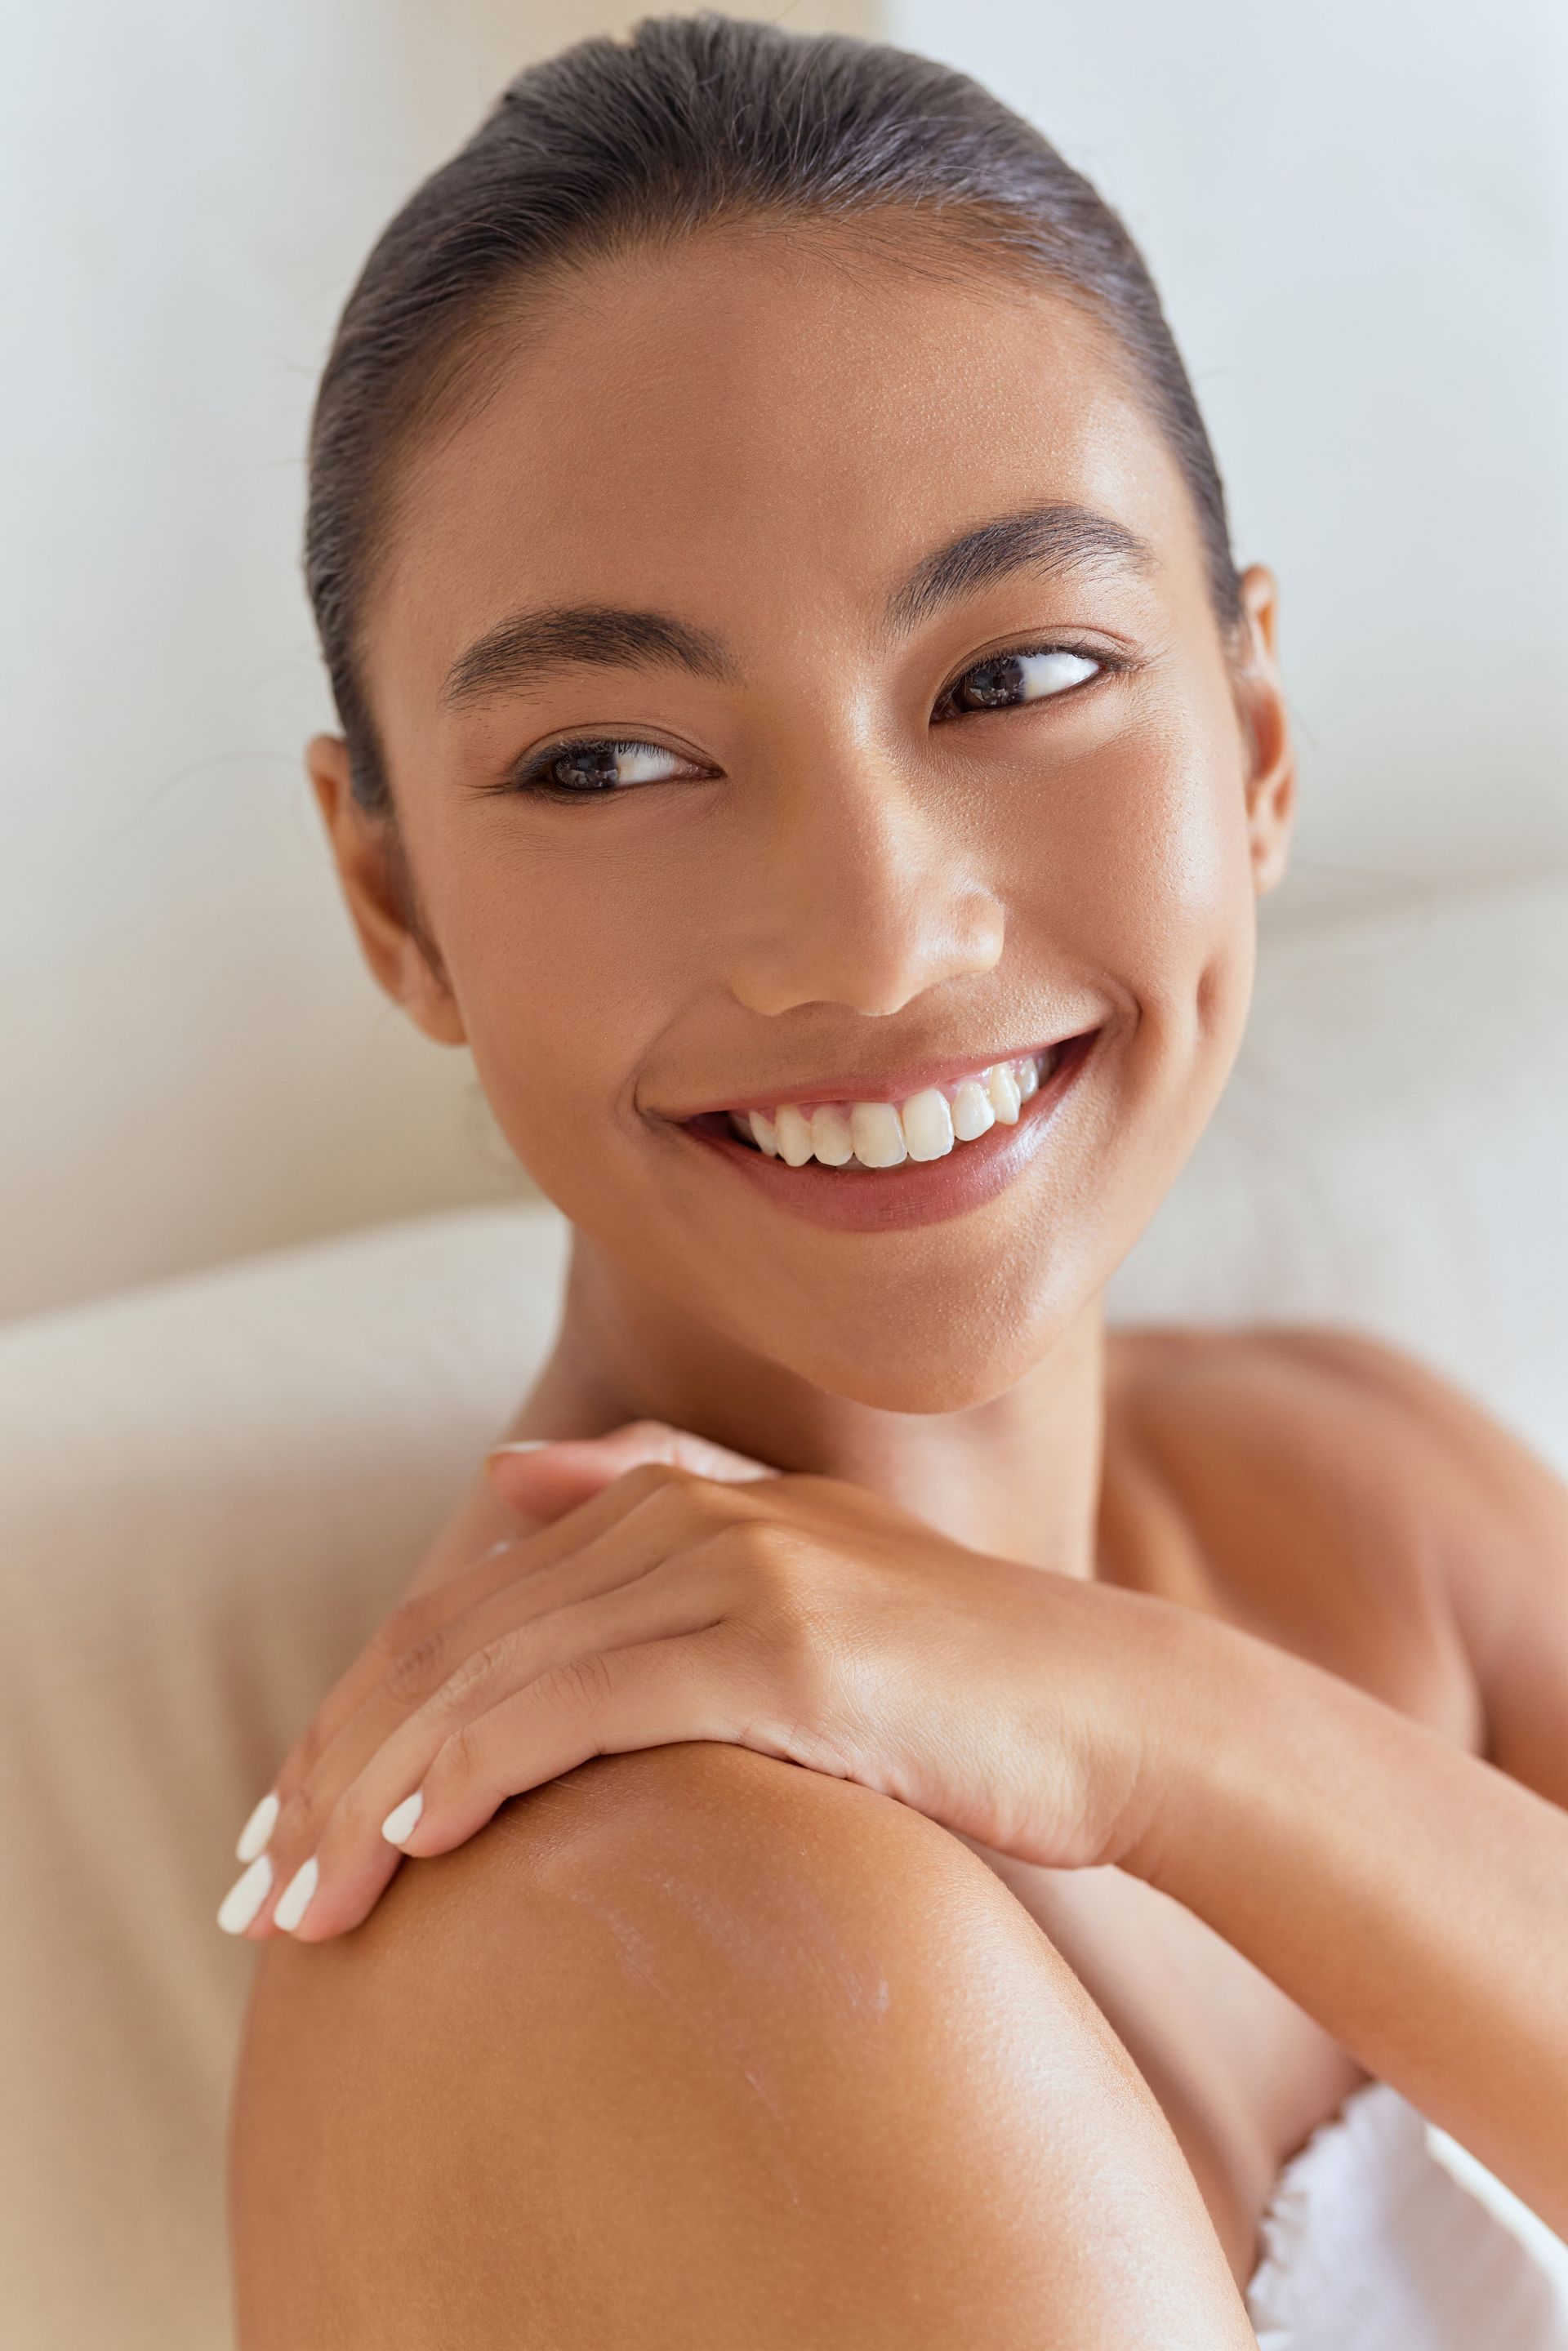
(210, 1493)
(1382, 2236)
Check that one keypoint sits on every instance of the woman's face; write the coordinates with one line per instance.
(799, 686)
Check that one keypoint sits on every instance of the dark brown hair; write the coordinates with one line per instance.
(689, 122)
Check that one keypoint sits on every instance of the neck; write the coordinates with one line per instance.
(1017, 1476)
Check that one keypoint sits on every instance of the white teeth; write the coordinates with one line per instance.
(972, 1111)
(1003, 1089)
(928, 1126)
(884, 1134)
(831, 1137)
(794, 1132)
(878, 1134)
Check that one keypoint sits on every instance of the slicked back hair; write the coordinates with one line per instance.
(691, 121)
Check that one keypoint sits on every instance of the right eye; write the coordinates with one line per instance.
(601, 763)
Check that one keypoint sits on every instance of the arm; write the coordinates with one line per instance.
(697, 2048)
(1496, 1528)
(1411, 1897)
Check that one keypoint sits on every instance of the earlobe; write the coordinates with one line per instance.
(1271, 780)
(372, 871)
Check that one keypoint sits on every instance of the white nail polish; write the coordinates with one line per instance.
(253, 1837)
(245, 1897)
(294, 1899)
(523, 1445)
(400, 1824)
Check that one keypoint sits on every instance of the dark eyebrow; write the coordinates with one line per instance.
(530, 645)
(1042, 539)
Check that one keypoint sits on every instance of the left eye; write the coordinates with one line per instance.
(597, 764)
(1009, 679)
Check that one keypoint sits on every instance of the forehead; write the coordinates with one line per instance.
(760, 432)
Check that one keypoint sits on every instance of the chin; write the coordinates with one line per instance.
(951, 1357)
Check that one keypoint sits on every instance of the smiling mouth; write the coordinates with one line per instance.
(866, 1135)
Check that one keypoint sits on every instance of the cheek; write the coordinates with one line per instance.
(1154, 880)
(1139, 879)
(564, 976)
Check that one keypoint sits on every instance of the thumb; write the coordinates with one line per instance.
(544, 1480)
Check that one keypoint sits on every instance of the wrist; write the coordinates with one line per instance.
(1200, 1722)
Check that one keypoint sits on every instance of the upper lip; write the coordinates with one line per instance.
(864, 1085)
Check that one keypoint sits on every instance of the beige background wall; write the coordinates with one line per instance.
(1361, 219)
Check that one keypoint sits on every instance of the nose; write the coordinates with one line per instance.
(859, 895)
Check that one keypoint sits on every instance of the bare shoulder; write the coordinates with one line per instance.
(1335, 1480)
(1335, 1405)
(682, 2020)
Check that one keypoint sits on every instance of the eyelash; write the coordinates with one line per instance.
(530, 779)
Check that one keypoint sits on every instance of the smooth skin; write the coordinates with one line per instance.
(784, 2061)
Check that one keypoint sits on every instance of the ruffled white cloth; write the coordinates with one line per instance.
(1384, 2235)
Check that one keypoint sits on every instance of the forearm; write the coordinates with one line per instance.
(1410, 1897)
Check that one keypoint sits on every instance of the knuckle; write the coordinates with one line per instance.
(777, 1563)
(711, 1500)
(417, 1668)
(403, 1627)
(579, 1684)
(301, 1820)
(459, 1757)
(349, 1817)
(657, 1434)
(790, 1604)
(650, 1478)
(475, 1676)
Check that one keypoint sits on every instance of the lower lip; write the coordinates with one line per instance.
(917, 1192)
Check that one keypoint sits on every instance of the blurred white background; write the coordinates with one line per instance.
(1358, 215)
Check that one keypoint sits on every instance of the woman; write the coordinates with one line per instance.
(803, 730)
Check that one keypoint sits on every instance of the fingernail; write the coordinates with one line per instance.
(398, 1824)
(294, 1899)
(245, 1897)
(258, 1829)
(523, 1445)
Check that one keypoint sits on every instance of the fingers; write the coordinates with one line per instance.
(427, 1640)
(424, 1625)
(414, 1648)
(581, 1651)
(542, 1481)
(606, 1702)
(408, 1666)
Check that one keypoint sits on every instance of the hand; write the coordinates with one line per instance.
(802, 1616)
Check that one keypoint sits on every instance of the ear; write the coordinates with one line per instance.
(1271, 780)
(373, 872)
